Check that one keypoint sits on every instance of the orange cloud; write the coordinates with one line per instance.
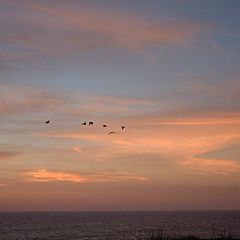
(179, 140)
(187, 121)
(3, 185)
(43, 175)
(210, 166)
(76, 149)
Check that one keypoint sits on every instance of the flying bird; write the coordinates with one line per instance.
(104, 125)
(90, 123)
(111, 133)
(123, 127)
(47, 122)
(84, 123)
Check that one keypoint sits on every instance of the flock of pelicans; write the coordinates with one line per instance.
(91, 123)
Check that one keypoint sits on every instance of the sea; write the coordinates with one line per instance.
(116, 225)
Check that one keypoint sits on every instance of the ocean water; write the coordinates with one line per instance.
(114, 225)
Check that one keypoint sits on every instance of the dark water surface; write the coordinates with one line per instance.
(113, 225)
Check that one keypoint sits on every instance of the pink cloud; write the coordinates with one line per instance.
(43, 175)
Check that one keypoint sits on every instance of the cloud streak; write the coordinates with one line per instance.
(179, 141)
(7, 154)
(63, 31)
(44, 175)
(212, 166)
(28, 100)
(105, 27)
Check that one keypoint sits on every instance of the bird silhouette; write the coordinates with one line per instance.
(47, 122)
(123, 127)
(84, 123)
(90, 123)
(104, 125)
(111, 133)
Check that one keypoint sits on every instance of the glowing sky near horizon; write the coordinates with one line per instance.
(168, 70)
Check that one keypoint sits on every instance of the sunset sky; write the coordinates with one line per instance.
(168, 70)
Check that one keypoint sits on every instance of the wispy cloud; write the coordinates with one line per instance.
(8, 154)
(212, 166)
(58, 30)
(44, 175)
(35, 99)
(220, 159)
(28, 100)
(123, 29)
(102, 27)
(103, 105)
(3, 185)
(161, 119)
(180, 141)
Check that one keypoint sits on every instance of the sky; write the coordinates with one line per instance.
(169, 71)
